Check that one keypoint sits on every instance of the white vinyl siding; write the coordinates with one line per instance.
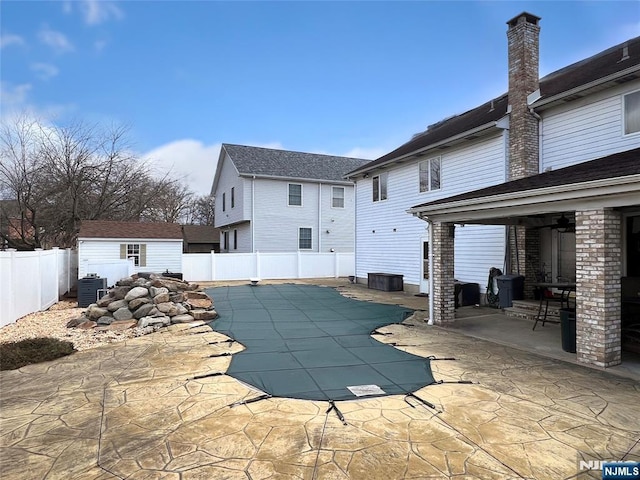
(389, 240)
(586, 129)
(161, 255)
(229, 179)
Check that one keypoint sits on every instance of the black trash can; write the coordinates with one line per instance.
(568, 329)
(510, 288)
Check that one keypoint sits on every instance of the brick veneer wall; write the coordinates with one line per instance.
(443, 276)
(598, 301)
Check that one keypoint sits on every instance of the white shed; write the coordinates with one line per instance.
(117, 249)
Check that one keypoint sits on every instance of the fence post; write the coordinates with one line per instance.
(258, 266)
(56, 252)
(336, 264)
(213, 265)
(39, 277)
(299, 264)
(69, 272)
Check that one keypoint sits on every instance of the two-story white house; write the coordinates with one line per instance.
(546, 177)
(270, 200)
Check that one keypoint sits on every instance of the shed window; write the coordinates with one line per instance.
(136, 252)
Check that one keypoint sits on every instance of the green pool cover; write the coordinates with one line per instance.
(312, 343)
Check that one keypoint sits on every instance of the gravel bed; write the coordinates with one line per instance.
(53, 323)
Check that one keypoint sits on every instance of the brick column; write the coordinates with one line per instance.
(598, 301)
(527, 262)
(443, 288)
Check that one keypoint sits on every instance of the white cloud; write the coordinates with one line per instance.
(44, 71)
(96, 12)
(13, 96)
(99, 45)
(370, 153)
(188, 159)
(7, 39)
(56, 40)
(15, 102)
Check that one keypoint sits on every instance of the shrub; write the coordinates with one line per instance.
(33, 350)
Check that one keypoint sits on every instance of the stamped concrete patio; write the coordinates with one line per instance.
(134, 410)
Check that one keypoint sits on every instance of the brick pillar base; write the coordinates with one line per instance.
(443, 287)
(598, 301)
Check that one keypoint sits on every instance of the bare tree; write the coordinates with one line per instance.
(202, 210)
(58, 176)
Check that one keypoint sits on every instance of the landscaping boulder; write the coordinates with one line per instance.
(136, 292)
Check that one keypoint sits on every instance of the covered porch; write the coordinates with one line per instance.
(601, 201)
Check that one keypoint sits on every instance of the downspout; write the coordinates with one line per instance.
(319, 217)
(430, 227)
(540, 157)
(253, 222)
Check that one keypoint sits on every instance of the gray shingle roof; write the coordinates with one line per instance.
(283, 163)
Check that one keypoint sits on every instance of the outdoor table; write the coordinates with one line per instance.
(565, 290)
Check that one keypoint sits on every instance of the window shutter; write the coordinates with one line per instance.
(123, 250)
(143, 255)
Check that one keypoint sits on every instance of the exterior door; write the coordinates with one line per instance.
(424, 274)
(563, 253)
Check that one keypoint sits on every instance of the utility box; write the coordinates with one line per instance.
(387, 282)
(88, 290)
(510, 288)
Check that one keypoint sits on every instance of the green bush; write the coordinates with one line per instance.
(34, 350)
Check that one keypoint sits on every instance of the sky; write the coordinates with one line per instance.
(351, 78)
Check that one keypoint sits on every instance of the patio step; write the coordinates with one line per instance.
(528, 310)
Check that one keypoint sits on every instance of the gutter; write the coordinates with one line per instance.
(570, 191)
(586, 86)
(297, 179)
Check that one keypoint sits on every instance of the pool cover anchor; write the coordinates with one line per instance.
(332, 406)
(251, 400)
(421, 400)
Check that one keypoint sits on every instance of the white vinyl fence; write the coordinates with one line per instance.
(33, 281)
(202, 267)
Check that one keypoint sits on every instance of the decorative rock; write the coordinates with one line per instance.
(161, 298)
(181, 309)
(141, 282)
(200, 302)
(144, 310)
(167, 308)
(146, 321)
(157, 291)
(88, 325)
(116, 304)
(177, 297)
(119, 292)
(122, 325)
(74, 322)
(173, 285)
(204, 314)
(198, 295)
(137, 302)
(94, 312)
(123, 314)
(125, 282)
(105, 320)
(136, 292)
(182, 319)
(105, 300)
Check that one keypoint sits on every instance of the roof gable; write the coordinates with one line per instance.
(114, 229)
(268, 162)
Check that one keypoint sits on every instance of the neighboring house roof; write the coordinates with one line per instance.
(200, 234)
(113, 229)
(612, 166)
(268, 162)
(621, 61)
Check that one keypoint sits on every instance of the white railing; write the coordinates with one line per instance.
(33, 281)
(202, 267)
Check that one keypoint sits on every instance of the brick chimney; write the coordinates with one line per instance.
(523, 40)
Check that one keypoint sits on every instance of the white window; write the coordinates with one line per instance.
(430, 175)
(337, 197)
(133, 252)
(295, 195)
(380, 187)
(632, 113)
(304, 238)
